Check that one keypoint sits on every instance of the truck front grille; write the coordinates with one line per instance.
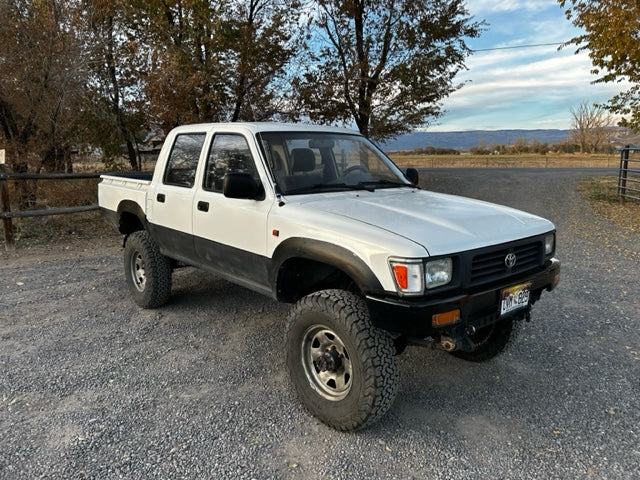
(491, 265)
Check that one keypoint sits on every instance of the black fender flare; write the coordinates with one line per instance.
(129, 206)
(328, 253)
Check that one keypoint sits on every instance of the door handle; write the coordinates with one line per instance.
(203, 206)
(160, 197)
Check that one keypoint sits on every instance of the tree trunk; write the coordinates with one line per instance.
(240, 94)
(26, 188)
(131, 152)
(115, 85)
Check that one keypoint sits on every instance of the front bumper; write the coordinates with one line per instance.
(478, 308)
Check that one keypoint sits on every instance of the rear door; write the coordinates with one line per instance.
(231, 234)
(171, 198)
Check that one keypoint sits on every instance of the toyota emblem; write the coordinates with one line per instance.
(510, 260)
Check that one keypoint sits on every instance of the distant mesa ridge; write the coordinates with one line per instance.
(464, 140)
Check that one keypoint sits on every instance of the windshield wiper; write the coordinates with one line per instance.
(388, 183)
(329, 187)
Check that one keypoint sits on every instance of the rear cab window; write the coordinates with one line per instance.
(183, 160)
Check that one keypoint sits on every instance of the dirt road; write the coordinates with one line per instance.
(93, 387)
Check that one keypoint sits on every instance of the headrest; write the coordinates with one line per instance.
(303, 160)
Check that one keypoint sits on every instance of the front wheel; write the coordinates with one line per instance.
(147, 271)
(342, 367)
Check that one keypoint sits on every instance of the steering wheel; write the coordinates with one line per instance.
(354, 168)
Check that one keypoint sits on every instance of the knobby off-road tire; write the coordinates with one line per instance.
(331, 329)
(491, 341)
(147, 271)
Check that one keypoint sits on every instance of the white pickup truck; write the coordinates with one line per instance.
(321, 218)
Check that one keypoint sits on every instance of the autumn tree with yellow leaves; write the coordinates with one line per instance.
(613, 45)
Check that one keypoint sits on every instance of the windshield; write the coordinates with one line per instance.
(320, 162)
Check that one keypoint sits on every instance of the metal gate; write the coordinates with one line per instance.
(629, 174)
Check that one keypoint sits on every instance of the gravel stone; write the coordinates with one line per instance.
(93, 387)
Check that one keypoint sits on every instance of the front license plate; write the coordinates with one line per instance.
(514, 298)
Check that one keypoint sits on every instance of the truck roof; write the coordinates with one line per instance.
(256, 127)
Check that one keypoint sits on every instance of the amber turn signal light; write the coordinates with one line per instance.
(402, 276)
(445, 318)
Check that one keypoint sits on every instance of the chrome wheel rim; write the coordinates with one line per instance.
(137, 271)
(327, 364)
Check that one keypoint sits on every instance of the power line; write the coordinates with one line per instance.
(518, 46)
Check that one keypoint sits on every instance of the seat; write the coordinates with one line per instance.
(302, 160)
(303, 165)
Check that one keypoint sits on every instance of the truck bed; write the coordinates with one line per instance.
(130, 175)
(131, 186)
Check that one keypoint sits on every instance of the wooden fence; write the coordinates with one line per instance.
(5, 204)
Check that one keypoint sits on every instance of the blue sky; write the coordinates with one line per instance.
(526, 88)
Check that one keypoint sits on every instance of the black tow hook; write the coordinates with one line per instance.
(329, 361)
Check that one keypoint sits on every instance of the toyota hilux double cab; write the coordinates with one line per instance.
(320, 218)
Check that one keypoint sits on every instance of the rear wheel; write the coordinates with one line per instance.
(490, 341)
(147, 271)
(342, 367)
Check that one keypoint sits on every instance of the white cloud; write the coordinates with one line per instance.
(522, 87)
(492, 6)
(535, 94)
(489, 59)
(552, 29)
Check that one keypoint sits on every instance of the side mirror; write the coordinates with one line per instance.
(412, 175)
(240, 185)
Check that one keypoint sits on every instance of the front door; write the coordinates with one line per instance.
(231, 234)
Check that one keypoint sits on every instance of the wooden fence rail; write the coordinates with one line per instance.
(5, 204)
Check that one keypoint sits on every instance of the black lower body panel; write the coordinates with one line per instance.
(244, 268)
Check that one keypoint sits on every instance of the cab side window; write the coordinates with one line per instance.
(183, 160)
(229, 153)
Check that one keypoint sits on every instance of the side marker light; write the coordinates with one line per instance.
(445, 318)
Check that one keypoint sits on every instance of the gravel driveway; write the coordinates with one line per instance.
(93, 387)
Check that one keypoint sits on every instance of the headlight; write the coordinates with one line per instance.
(549, 243)
(408, 275)
(438, 272)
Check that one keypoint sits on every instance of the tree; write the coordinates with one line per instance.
(263, 41)
(41, 82)
(520, 145)
(589, 126)
(383, 64)
(217, 60)
(187, 74)
(613, 44)
(480, 149)
(115, 93)
(539, 147)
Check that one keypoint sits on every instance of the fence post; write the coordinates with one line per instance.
(5, 206)
(622, 174)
